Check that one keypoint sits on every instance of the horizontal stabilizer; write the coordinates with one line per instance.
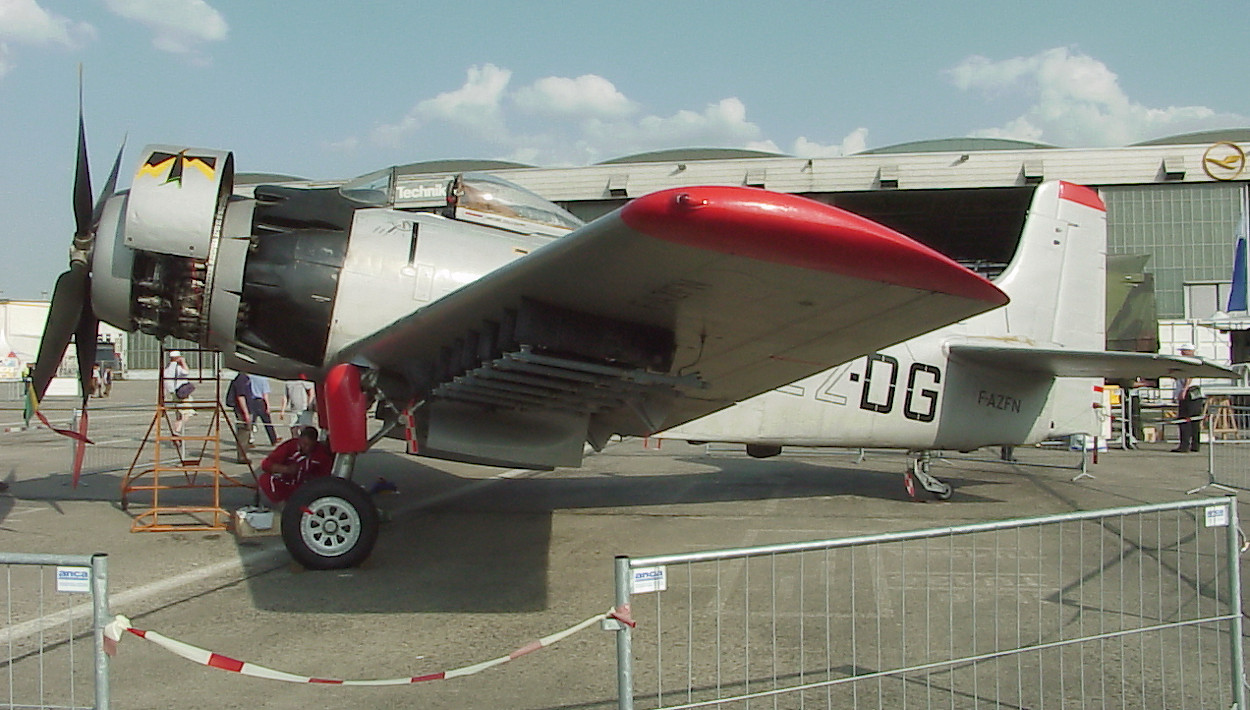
(1061, 362)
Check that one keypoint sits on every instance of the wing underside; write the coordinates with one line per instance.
(677, 305)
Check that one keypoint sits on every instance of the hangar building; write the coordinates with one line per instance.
(1177, 202)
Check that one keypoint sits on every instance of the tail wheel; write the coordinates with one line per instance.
(918, 472)
(329, 523)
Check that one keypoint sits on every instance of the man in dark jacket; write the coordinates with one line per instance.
(237, 396)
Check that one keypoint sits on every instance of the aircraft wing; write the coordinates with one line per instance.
(676, 305)
(1109, 364)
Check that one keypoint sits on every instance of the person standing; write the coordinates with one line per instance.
(237, 396)
(258, 405)
(1189, 408)
(301, 401)
(178, 388)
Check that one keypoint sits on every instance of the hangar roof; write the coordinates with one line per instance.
(465, 165)
(956, 145)
(686, 154)
(1232, 135)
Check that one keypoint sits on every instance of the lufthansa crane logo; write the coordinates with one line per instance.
(1224, 161)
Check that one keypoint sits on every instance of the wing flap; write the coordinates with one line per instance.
(1109, 364)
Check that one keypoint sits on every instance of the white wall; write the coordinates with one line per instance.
(21, 328)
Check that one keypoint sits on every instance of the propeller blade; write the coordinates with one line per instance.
(84, 343)
(109, 188)
(82, 175)
(64, 317)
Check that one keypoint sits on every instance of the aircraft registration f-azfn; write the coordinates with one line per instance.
(483, 323)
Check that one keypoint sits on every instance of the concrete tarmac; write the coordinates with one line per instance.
(476, 562)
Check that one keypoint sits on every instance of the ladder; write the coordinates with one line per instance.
(185, 439)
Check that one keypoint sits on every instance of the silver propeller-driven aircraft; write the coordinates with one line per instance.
(482, 323)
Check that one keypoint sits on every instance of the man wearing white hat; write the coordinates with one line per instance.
(178, 387)
(1189, 406)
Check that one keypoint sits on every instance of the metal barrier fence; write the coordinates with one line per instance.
(117, 432)
(55, 642)
(1228, 432)
(12, 391)
(1130, 607)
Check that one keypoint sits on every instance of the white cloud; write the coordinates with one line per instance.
(347, 145)
(178, 26)
(389, 135)
(586, 96)
(1075, 100)
(475, 106)
(855, 142)
(25, 22)
(559, 121)
(721, 124)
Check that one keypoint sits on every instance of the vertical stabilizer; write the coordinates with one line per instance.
(1057, 278)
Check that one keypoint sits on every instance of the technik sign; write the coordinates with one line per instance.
(421, 193)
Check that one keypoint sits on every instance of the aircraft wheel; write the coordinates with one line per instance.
(329, 523)
(943, 493)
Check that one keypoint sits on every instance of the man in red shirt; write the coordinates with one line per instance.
(293, 462)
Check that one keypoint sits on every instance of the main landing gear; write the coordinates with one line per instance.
(918, 464)
(331, 522)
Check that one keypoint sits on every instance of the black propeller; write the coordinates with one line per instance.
(70, 314)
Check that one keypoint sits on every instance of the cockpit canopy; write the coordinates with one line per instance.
(482, 198)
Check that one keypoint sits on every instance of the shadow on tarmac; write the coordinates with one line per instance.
(443, 561)
(732, 480)
(486, 549)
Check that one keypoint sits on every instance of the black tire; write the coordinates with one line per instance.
(329, 523)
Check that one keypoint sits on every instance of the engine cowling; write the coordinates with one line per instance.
(155, 242)
(177, 255)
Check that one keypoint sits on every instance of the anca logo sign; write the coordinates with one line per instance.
(171, 166)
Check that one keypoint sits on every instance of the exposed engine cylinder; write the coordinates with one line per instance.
(169, 295)
(173, 219)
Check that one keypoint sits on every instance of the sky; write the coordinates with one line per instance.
(328, 89)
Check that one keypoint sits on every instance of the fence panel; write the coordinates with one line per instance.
(1228, 431)
(1132, 607)
(12, 391)
(117, 432)
(55, 609)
